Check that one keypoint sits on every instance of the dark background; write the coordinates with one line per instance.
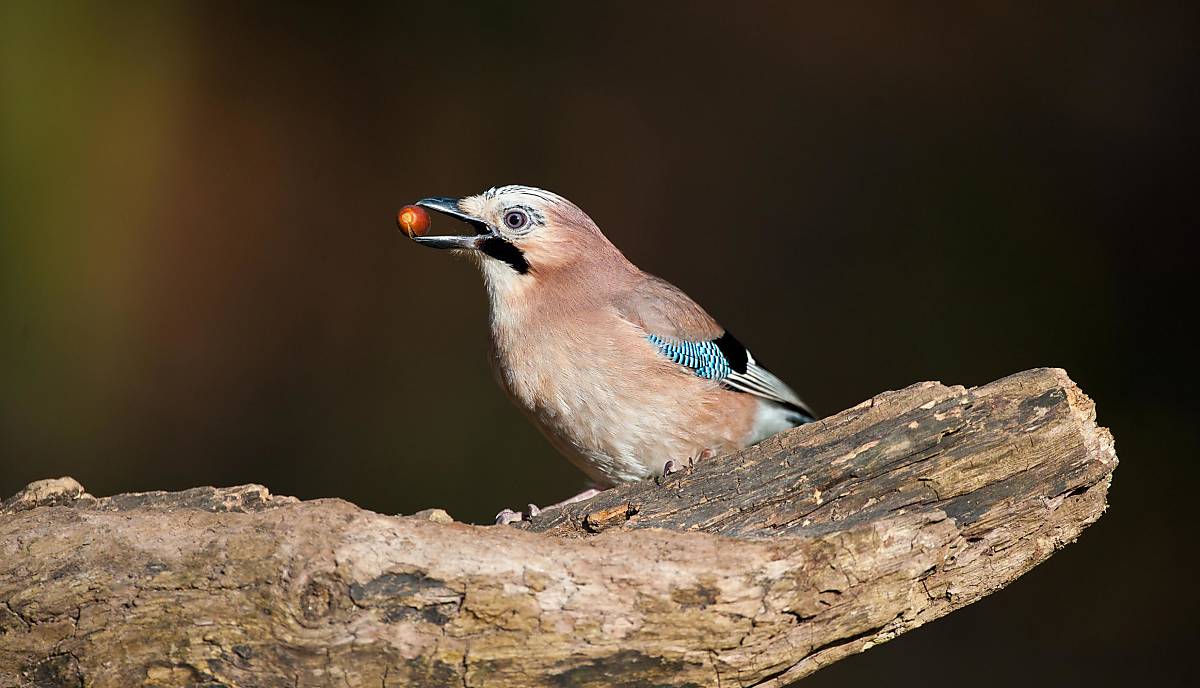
(201, 281)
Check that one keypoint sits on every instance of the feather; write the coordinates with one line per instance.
(682, 331)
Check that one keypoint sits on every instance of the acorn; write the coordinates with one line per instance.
(413, 221)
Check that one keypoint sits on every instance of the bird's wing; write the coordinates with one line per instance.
(685, 333)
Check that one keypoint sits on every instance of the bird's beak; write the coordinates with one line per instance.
(449, 206)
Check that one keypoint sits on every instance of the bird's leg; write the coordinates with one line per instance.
(532, 511)
(582, 496)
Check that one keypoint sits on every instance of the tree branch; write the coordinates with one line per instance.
(747, 570)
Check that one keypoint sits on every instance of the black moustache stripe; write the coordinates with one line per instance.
(501, 249)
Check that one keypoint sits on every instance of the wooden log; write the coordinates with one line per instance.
(753, 569)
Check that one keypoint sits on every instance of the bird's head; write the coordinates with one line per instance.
(522, 234)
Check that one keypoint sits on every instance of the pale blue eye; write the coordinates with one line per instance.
(516, 219)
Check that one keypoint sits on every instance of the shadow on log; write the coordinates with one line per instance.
(753, 569)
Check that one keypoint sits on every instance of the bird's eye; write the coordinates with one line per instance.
(516, 219)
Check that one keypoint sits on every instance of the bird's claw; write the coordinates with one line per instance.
(509, 516)
(673, 466)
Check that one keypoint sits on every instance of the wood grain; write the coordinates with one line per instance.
(753, 569)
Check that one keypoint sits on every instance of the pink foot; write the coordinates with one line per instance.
(532, 511)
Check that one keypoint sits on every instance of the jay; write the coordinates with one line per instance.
(623, 373)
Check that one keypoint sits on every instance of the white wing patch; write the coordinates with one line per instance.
(761, 382)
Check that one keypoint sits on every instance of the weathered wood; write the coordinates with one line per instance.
(749, 570)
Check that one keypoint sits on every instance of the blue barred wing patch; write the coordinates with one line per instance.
(726, 360)
(704, 358)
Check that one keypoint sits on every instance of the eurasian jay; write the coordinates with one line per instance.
(623, 373)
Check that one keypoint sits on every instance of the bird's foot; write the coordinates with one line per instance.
(532, 511)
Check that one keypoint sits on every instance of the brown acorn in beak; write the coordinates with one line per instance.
(413, 221)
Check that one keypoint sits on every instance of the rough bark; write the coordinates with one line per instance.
(747, 570)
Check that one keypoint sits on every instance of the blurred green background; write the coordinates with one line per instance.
(201, 281)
